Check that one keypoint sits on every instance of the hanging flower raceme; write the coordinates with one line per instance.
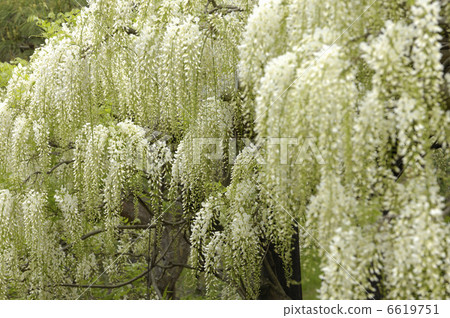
(109, 159)
(228, 230)
(202, 156)
(370, 101)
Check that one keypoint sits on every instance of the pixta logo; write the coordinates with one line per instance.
(283, 151)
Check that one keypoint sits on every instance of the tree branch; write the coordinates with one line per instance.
(107, 286)
(155, 287)
(172, 265)
(274, 280)
(59, 164)
(168, 246)
(228, 8)
(120, 227)
(217, 7)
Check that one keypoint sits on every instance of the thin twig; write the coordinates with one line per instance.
(168, 246)
(107, 286)
(172, 265)
(149, 268)
(155, 287)
(59, 164)
(67, 162)
(120, 227)
(228, 9)
(217, 7)
(146, 207)
(238, 288)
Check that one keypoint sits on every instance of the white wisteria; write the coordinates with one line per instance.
(229, 138)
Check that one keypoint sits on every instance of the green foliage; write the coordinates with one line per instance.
(311, 272)
(6, 71)
(52, 26)
(19, 34)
